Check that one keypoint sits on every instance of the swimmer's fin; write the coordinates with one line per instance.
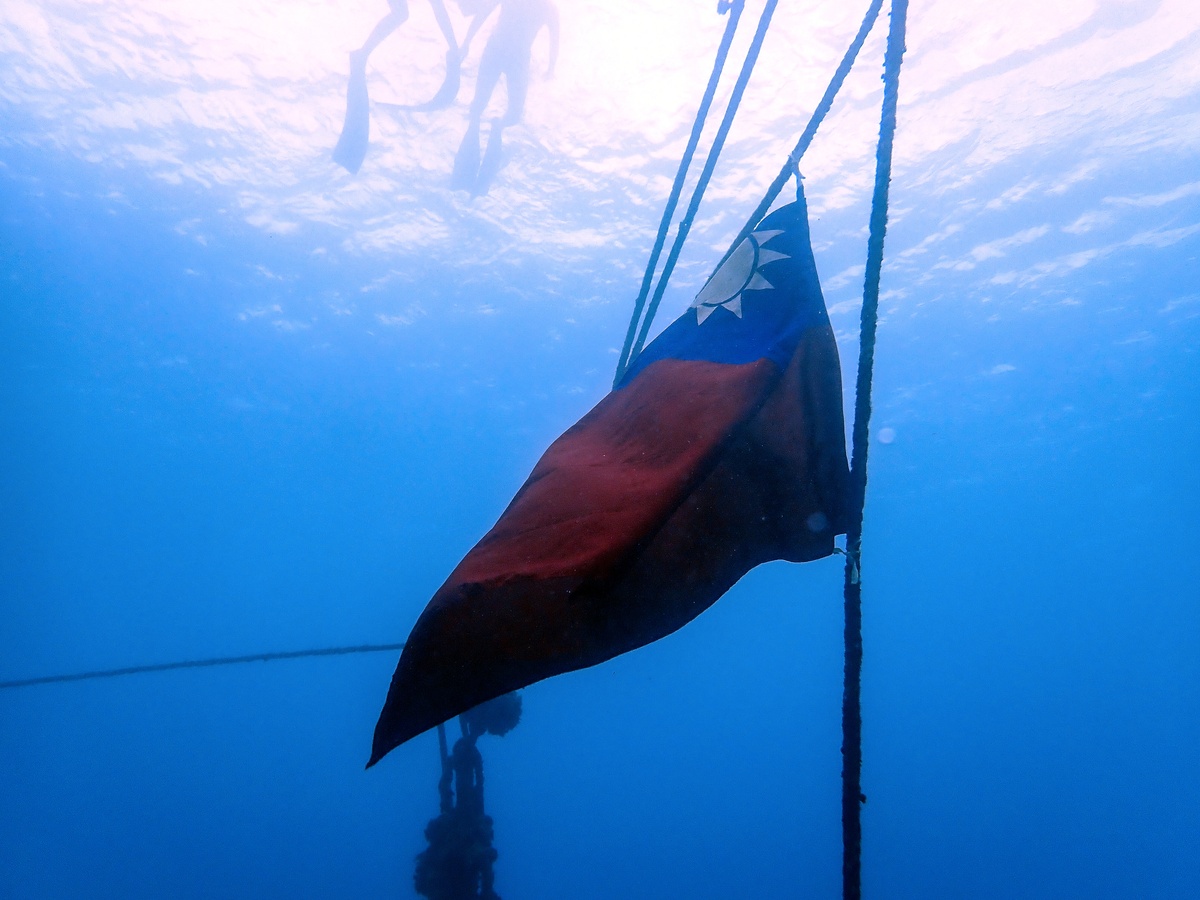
(448, 92)
(351, 147)
(493, 161)
(466, 162)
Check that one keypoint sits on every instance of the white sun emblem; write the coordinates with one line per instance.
(741, 272)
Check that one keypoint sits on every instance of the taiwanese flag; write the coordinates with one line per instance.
(722, 447)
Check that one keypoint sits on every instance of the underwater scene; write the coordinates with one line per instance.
(444, 444)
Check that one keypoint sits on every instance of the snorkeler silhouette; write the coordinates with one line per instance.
(506, 53)
(351, 147)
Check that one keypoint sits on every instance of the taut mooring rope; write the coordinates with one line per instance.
(810, 130)
(631, 351)
(685, 162)
(852, 796)
(201, 664)
(714, 153)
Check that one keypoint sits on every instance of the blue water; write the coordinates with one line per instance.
(221, 436)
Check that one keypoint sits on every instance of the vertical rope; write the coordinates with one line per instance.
(852, 796)
(445, 791)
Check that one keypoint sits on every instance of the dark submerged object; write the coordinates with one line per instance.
(498, 717)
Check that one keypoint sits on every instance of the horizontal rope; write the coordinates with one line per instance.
(200, 664)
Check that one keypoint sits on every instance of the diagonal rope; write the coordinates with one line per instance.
(852, 796)
(677, 188)
(685, 224)
(810, 130)
(630, 350)
(200, 664)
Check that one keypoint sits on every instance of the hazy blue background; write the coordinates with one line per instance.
(249, 403)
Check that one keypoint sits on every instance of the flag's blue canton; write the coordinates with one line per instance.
(772, 319)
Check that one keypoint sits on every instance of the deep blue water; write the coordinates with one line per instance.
(189, 471)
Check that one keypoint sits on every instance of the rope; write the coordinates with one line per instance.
(677, 188)
(791, 166)
(852, 796)
(710, 164)
(200, 664)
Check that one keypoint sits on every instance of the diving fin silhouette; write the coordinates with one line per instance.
(351, 147)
